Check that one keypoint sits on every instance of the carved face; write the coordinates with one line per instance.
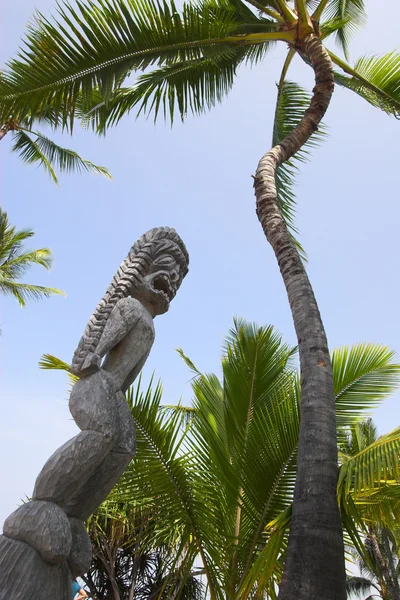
(161, 283)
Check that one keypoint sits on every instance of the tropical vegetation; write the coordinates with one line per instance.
(378, 557)
(217, 478)
(128, 563)
(15, 261)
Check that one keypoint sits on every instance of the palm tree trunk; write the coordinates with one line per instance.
(393, 574)
(5, 129)
(382, 564)
(314, 567)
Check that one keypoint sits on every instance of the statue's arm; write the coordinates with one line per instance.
(122, 319)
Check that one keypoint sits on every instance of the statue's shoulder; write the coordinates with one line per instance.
(133, 311)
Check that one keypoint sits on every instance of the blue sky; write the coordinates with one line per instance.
(196, 177)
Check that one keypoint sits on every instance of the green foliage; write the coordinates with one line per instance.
(226, 475)
(345, 18)
(370, 473)
(15, 262)
(126, 554)
(192, 85)
(218, 477)
(99, 43)
(48, 154)
(377, 80)
(188, 59)
(50, 362)
(363, 375)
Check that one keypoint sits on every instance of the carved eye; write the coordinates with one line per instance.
(165, 261)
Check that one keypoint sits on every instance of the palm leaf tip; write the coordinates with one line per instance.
(343, 18)
(24, 291)
(50, 155)
(49, 361)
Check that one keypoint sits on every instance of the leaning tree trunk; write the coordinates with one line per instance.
(314, 567)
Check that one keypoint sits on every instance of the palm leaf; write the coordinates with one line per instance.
(235, 431)
(162, 469)
(98, 43)
(24, 291)
(192, 86)
(376, 79)
(372, 467)
(358, 586)
(49, 362)
(16, 263)
(348, 16)
(363, 375)
(48, 154)
(11, 241)
(30, 152)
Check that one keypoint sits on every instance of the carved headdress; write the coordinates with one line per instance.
(132, 270)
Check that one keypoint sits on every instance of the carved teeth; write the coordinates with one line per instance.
(162, 285)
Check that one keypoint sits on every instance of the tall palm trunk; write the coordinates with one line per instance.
(314, 568)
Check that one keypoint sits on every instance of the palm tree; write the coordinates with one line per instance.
(220, 476)
(190, 57)
(15, 262)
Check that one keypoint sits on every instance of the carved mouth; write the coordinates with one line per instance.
(161, 284)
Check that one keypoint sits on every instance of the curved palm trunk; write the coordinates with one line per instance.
(314, 568)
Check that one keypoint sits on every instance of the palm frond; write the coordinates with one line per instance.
(187, 412)
(162, 469)
(30, 152)
(347, 17)
(98, 43)
(376, 79)
(50, 155)
(16, 263)
(363, 375)
(235, 431)
(11, 240)
(24, 291)
(372, 467)
(358, 586)
(49, 362)
(292, 102)
(193, 86)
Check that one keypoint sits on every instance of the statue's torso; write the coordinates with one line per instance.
(127, 358)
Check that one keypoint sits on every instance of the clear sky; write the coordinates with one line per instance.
(196, 177)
